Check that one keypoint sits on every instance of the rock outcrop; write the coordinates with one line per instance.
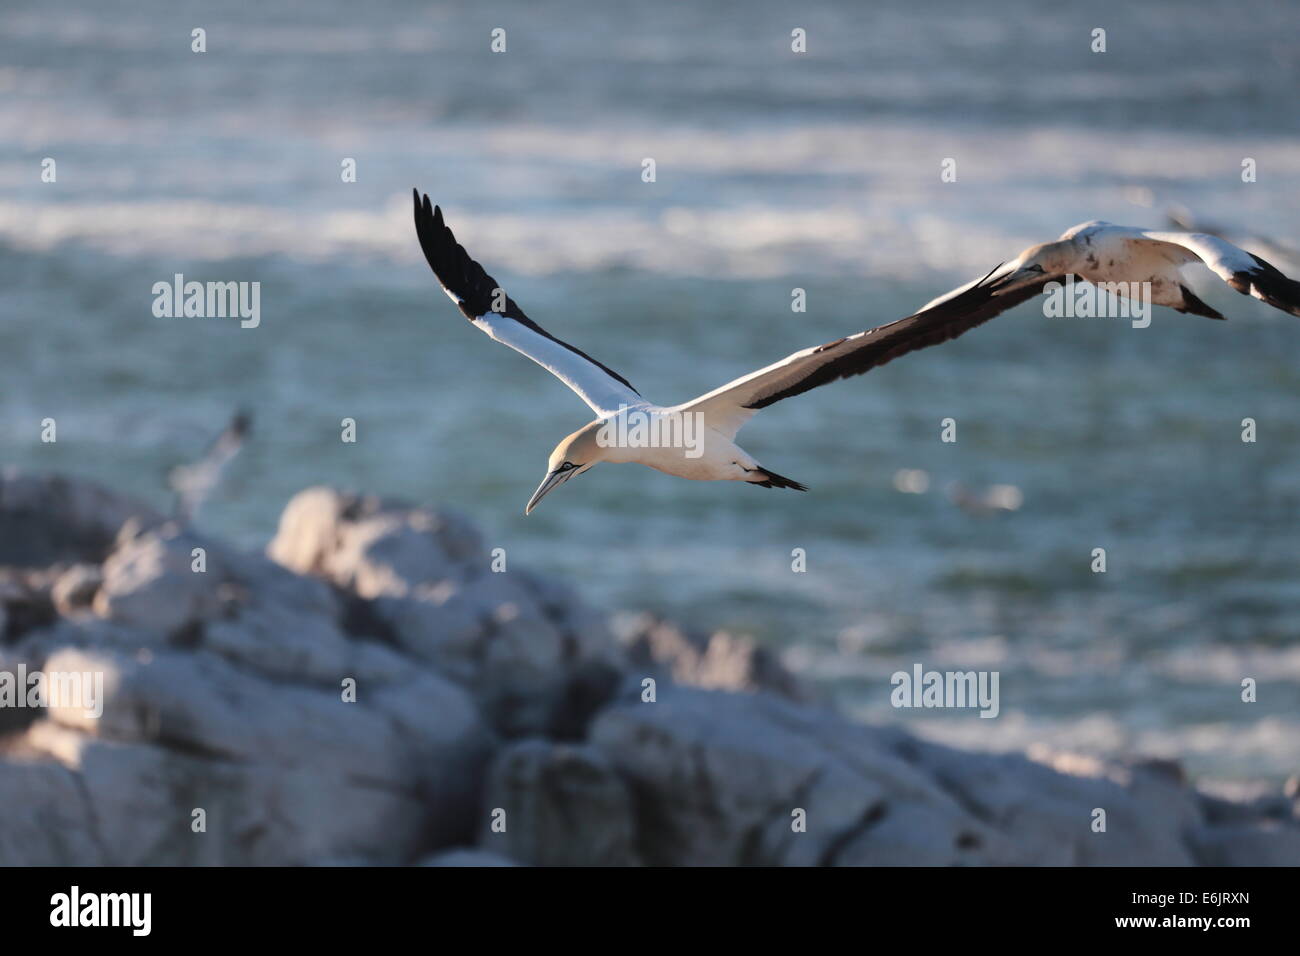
(377, 689)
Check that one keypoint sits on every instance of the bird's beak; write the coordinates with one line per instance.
(1019, 278)
(552, 480)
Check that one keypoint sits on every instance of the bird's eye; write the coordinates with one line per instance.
(567, 466)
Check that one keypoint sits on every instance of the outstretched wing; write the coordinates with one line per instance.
(476, 293)
(727, 408)
(193, 483)
(1247, 273)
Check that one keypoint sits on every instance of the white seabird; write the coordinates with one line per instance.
(193, 483)
(1102, 252)
(621, 410)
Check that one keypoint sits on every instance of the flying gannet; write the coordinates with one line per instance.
(193, 483)
(1102, 252)
(621, 410)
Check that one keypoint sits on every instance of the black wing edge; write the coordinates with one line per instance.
(241, 423)
(934, 326)
(468, 281)
(1275, 287)
(772, 480)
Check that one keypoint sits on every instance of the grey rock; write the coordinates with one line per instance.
(48, 816)
(718, 661)
(564, 806)
(721, 777)
(45, 519)
(74, 590)
(1276, 845)
(1229, 803)
(370, 546)
(25, 601)
(149, 583)
(284, 774)
(308, 531)
(280, 624)
(144, 798)
(531, 653)
(223, 692)
(82, 631)
(1047, 809)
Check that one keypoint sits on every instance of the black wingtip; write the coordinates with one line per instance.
(419, 210)
(988, 275)
(456, 272)
(1271, 285)
(474, 290)
(242, 423)
(773, 480)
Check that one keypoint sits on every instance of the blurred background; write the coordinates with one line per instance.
(774, 171)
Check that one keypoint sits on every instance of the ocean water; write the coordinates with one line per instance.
(775, 171)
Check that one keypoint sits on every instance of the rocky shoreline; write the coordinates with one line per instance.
(376, 690)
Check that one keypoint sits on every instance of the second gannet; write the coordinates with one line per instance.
(1102, 252)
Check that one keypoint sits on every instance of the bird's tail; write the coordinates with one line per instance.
(1195, 306)
(770, 479)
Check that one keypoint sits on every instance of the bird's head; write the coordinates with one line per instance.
(1049, 258)
(572, 456)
